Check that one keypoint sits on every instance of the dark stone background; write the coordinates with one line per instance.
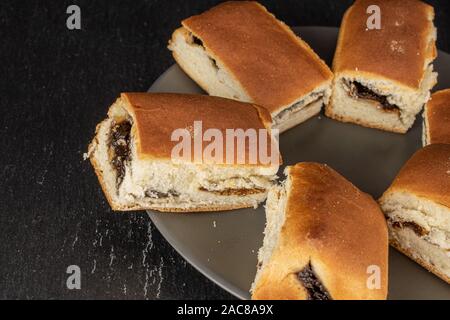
(55, 86)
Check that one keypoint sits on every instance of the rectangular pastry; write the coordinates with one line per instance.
(436, 124)
(383, 77)
(239, 50)
(417, 206)
(324, 239)
(133, 153)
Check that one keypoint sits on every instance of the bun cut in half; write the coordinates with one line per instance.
(239, 50)
(417, 206)
(133, 153)
(324, 239)
(436, 124)
(383, 77)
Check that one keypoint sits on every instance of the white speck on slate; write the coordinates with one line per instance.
(161, 278)
(149, 244)
(153, 274)
(156, 276)
(42, 178)
(112, 256)
(94, 267)
(75, 240)
(146, 285)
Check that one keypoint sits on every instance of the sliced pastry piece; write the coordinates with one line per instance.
(417, 206)
(436, 125)
(383, 77)
(151, 153)
(324, 239)
(239, 50)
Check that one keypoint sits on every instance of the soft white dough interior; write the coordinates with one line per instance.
(275, 218)
(213, 77)
(161, 183)
(189, 182)
(202, 67)
(302, 109)
(433, 246)
(423, 250)
(425, 129)
(370, 112)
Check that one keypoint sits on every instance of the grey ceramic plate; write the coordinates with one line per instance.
(223, 246)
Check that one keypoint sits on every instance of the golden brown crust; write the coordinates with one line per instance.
(152, 114)
(98, 171)
(334, 226)
(272, 64)
(437, 113)
(196, 209)
(157, 115)
(426, 175)
(424, 264)
(398, 51)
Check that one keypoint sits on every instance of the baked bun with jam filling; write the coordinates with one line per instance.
(417, 206)
(323, 238)
(132, 154)
(436, 116)
(383, 77)
(239, 50)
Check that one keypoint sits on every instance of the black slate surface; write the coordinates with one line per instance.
(55, 86)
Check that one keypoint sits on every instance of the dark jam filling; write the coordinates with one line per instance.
(161, 195)
(199, 42)
(357, 90)
(418, 230)
(120, 146)
(234, 192)
(315, 97)
(316, 290)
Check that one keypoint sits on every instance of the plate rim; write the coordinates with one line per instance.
(210, 275)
